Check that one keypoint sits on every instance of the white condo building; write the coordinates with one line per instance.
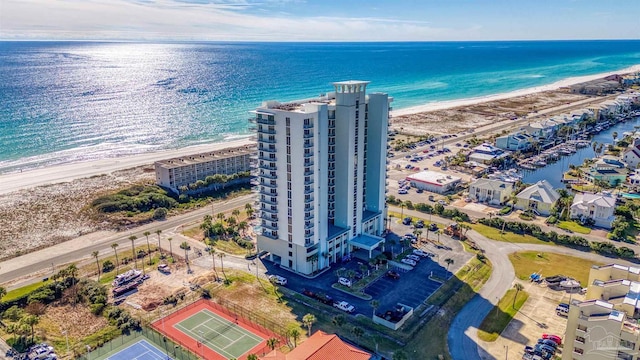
(322, 176)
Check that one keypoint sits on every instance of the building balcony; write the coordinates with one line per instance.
(269, 210)
(267, 175)
(309, 242)
(307, 135)
(269, 185)
(332, 166)
(270, 235)
(264, 121)
(268, 201)
(265, 140)
(308, 191)
(308, 226)
(331, 191)
(266, 131)
(267, 149)
(266, 166)
(308, 208)
(267, 192)
(308, 126)
(267, 158)
(308, 182)
(308, 163)
(269, 217)
(267, 225)
(308, 200)
(310, 217)
(308, 145)
(308, 173)
(308, 154)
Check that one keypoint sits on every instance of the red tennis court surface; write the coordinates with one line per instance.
(213, 332)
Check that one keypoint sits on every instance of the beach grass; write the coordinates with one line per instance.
(548, 264)
(501, 315)
(573, 226)
(507, 236)
(22, 291)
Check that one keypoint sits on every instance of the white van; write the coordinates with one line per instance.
(562, 311)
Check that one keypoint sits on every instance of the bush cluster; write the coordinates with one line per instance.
(138, 198)
(604, 248)
(122, 319)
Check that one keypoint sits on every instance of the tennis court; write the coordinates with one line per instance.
(219, 334)
(141, 350)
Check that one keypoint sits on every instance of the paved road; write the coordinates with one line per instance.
(44, 262)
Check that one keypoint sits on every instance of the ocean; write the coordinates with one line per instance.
(70, 101)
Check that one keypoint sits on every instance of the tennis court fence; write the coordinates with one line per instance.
(176, 351)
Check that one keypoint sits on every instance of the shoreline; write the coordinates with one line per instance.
(61, 173)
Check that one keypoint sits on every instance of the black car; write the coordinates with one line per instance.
(406, 221)
(393, 274)
(433, 227)
(420, 224)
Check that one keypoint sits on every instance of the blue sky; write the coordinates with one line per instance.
(327, 20)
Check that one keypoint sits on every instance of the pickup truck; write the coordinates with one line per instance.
(344, 306)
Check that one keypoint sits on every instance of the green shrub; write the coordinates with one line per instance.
(160, 213)
(107, 266)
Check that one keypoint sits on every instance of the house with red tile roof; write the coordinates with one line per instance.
(322, 346)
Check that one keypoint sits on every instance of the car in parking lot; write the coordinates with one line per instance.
(402, 191)
(421, 253)
(408, 262)
(344, 281)
(419, 224)
(415, 258)
(433, 227)
(548, 342)
(555, 338)
(442, 202)
(344, 306)
(277, 279)
(406, 221)
(393, 274)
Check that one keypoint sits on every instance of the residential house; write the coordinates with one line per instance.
(633, 180)
(608, 169)
(632, 155)
(519, 141)
(539, 197)
(322, 346)
(492, 191)
(486, 153)
(598, 207)
(541, 130)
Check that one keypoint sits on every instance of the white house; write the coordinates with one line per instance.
(494, 192)
(486, 153)
(539, 197)
(515, 141)
(632, 154)
(599, 207)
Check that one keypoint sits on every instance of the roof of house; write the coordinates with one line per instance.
(541, 191)
(493, 184)
(323, 346)
(583, 200)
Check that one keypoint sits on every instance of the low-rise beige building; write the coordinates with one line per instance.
(605, 326)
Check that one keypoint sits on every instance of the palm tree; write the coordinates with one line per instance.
(294, 334)
(186, 247)
(338, 320)
(220, 216)
(31, 321)
(235, 213)
(212, 252)
(170, 248)
(449, 261)
(243, 226)
(114, 246)
(615, 136)
(95, 255)
(271, 342)
(158, 232)
(374, 305)
(222, 255)
(252, 357)
(308, 321)
(519, 287)
(357, 332)
(248, 209)
(133, 250)
(147, 233)
(3, 292)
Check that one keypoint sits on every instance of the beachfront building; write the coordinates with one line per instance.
(609, 169)
(180, 172)
(486, 154)
(539, 197)
(605, 325)
(597, 207)
(322, 176)
(518, 141)
(433, 181)
(595, 87)
(492, 191)
(542, 130)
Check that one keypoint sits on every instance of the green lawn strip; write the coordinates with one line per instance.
(573, 226)
(507, 236)
(548, 264)
(230, 247)
(430, 341)
(500, 316)
(22, 291)
(414, 219)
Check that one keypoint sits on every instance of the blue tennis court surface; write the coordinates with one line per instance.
(142, 350)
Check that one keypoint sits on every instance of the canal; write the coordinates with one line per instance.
(553, 172)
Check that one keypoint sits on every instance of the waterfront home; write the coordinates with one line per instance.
(631, 156)
(492, 191)
(633, 181)
(598, 207)
(486, 153)
(543, 129)
(581, 115)
(608, 169)
(433, 181)
(539, 197)
(515, 141)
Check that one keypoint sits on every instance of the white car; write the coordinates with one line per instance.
(344, 281)
(277, 279)
(420, 253)
(415, 258)
(402, 191)
(344, 306)
(442, 202)
(408, 262)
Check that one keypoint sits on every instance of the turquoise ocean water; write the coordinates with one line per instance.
(70, 101)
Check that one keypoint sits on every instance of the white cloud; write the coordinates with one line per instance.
(198, 20)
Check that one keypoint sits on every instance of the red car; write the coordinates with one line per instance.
(555, 338)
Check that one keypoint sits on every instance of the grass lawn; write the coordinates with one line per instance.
(231, 247)
(573, 226)
(398, 219)
(494, 234)
(527, 262)
(501, 315)
(19, 292)
(431, 340)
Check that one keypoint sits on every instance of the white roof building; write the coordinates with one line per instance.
(599, 207)
(433, 181)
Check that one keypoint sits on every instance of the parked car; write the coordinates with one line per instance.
(344, 306)
(277, 279)
(415, 258)
(408, 262)
(433, 227)
(344, 281)
(393, 274)
(421, 253)
(557, 339)
(164, 268)
(419, 224)
(548, 342)
(406, 221)
(402, 191)
(442, 202)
